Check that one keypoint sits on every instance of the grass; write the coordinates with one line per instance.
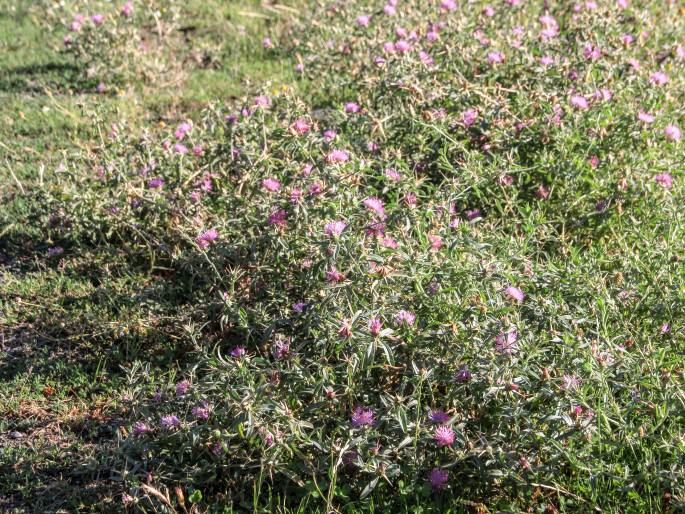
(60, 356)
(92, 338)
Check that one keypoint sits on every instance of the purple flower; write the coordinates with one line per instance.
(206, 238)
(438, 478)
(444, 435)
(267, 43)
(335, 228)
(463, 375)
(579, 102)
(337, 157)
(592, 52)
(405, 317)
(350, 458)
(299, 307)
(155, 183)
(672, 133)
(362, 417)
(363, 20)
(515, 294)
(201, 412)
(570, 382)
(375, 206)
(658, 78)
(97, 19)
(392, 174)
(352, 108)
(180, 149)
(448, 5)
(55, 250)
(664, 180)
(507, 343)
(183, 129)
(438, 417)
(171, 421)
(375, 326)
(238, 352)
(277, 218)
(300, 126)
(645, 117)
(271, 184)
(495, 57)
(127, 9)
(141, 428)
(182, 387)
(261, 101)
(333, 276)
(468, 117)
(281, 349)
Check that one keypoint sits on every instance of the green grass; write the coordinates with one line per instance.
(65, 332)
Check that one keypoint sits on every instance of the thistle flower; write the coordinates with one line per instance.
(579, 102)
(515, 294)
(448, 5)
(127, 9)
(658, 78)
(337, 157)
(300, 126)
(444, 435)
(238, 352)
(182, 387)
(507, 343)
(468, 118)
(672, 133)
(664, 179)
(206, 238)
(201, 412)
(405, 318)
(375, 326)
(277, 218)
(438, 417)
(352, 108)
(375, 206)
(438, 478)
(271, 184)
(362, 417)
(170, 421)
(335, 228)
(140, 428)
(645, 117)
(363, 20)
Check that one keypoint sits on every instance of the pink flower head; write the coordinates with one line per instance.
(489, 11)
(672, 133)
(277, 218)
(645, 117)
(238, 352)
(97, 19)
(664, 179)
(389, 10)
(352, 108)
(335, 228)
(444, 435)
(127, 9)
(507, 343)
(402, 46)
(579, 102)
(337, 157)
(206, 238)
(515, 294)
(300, 127)
(405, 318)
(267, 43)
(261, 101)
(363, 20)
(141, 428)
(658, 78)
(198, 150)
(330, 135)
(333, 276)
(438, 417)
(375, 206)
(592, 52)
(438, 478)
(201, 412)
(468, 117)
(362, 417)
(180, 148)
(183, 129)
(281, 349)
(436, 242)
(182, 387)
(171, 421)
(448, 5)
(392, 174)
(271, 184)
(495, 57)
(375, 326)
(570, 382)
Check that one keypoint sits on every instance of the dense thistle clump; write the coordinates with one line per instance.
(430, 279)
